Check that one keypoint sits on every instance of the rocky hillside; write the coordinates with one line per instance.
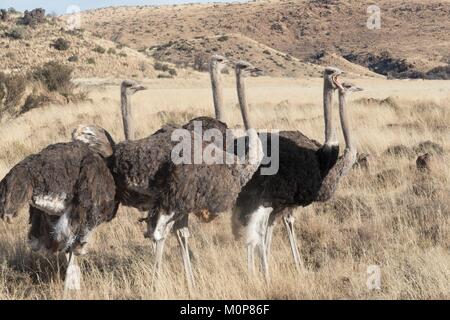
(25, 47)
(413, 39)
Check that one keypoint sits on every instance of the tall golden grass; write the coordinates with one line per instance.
(391, 216)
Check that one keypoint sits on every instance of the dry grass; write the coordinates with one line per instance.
(390, 216)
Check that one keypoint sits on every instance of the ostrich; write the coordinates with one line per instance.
(308, 172)
(137, 165)
(69, 189)
(185, 188)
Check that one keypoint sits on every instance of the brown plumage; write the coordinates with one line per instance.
(193, 188)
(68, 188)
(140, 167)
(65, 178)
(308, 172)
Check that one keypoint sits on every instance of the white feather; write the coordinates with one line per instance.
(257, 225)
(51, 203)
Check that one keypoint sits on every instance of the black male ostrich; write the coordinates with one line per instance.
(308, 172)
(69, 189)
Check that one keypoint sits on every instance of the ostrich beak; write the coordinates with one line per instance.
(140, 88)
(256, 72)
(357, 89)
(337, 82)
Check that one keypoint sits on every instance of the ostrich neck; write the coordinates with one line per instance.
(344, 123)
(126, 115)
(255, 150)
(328, 115)
(216, 83)
(345, 162)
(243, 100)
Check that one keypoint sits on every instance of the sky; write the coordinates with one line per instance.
(60, 6)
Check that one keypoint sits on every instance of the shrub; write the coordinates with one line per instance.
(160, 66)
(123, 54)
(12, 88)
(172, 72)
(73, 58)
(4, 15)
(223, 38)
(90, 61)
(61, 44)
(164, 76)
(18, 33)
(56, 77)
(111, 51)
(33, 17)
(10, 55)
(201, 62)
(99, 49)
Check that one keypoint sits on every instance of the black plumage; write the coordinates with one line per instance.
(308, 172)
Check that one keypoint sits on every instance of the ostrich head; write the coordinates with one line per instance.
(245, 69)
(349, 87)
(218, 62)
(331, 75)
(130, 87)
(98, 139)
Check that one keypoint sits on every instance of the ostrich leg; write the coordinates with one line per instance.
(265, 230)
(163, 230)
(73, 273)
(182, 231)
(289, 223)
(251, 258)
(269, 239)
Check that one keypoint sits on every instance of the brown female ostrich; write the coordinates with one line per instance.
(185, 188)
(69, 189)
(137, 165)
(308, 172)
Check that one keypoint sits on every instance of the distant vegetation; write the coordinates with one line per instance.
(49, 82)
(61, 44)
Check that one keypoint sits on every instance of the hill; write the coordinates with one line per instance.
(23, 48)
(413, 38)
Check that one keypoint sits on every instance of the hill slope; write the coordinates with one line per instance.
(89, 56)
(413, 34)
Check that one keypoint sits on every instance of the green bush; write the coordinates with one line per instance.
(99, 49)
(61, 44)
(56, 77)
(90, 61)
(111, 51)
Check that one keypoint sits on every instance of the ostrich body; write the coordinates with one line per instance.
(69, 189)
(135, 164)
(308, 172)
